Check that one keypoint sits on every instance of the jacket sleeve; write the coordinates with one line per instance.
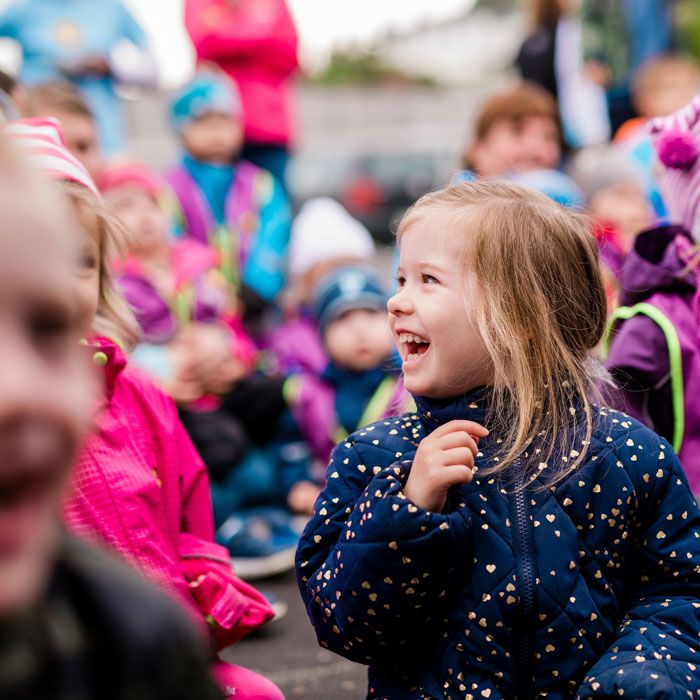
(656, 651)
(372, 567)
(231, 607)
(265, 269)
(225, 35)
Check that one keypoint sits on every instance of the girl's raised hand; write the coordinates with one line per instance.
(444, 458)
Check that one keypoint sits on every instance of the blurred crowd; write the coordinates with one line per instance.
(238, 340)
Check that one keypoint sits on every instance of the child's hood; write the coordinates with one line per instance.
(655, 265)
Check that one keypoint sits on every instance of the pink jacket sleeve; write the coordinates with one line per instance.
(253, 30)
(230, 606)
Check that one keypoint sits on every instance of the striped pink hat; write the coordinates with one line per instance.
(677, 143)
(43, 141)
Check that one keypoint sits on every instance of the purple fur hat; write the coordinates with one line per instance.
(677, 142)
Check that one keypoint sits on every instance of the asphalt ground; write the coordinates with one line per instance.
(287, 653)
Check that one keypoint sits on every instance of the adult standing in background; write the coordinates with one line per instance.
(255, 43)
(95, 44)
(552, 57)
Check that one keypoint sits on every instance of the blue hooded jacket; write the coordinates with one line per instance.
(588, 589)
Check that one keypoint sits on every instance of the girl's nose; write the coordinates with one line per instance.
(400, 303)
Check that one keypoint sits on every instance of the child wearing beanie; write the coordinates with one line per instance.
(360, 381)
(235, 207)
(653, 341)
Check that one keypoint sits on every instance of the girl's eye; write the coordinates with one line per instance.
(400, 281)
(429, 279)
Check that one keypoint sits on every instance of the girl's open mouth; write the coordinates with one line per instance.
(414, 347)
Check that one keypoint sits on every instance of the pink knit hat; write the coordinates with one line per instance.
(677, 142)
(131, 174)
(43, 141)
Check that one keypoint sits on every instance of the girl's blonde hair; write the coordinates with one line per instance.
(541, 311)
(114, 318)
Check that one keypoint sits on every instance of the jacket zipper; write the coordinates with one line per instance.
(526, 574)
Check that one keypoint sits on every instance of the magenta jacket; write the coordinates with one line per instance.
(255, 42)
(140, 489)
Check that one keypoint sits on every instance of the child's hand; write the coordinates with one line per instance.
(208, 350)
(228, 374)
(443, 459)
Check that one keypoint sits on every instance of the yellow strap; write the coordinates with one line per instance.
(375, 408)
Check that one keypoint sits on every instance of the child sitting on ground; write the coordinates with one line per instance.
(194, 345)
(139, 488)
(654, 337)
(553, 552)
(228, 203)
(361, 376)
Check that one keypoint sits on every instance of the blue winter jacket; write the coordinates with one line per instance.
(590, 589)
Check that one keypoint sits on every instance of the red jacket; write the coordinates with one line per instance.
(255, 43)
(140, 489)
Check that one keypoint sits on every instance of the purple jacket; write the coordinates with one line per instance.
(200, 293)
(640, 352)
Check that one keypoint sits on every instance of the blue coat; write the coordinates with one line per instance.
(590, 589)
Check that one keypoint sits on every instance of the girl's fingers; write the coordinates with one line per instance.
(454, 474)
(465, 426)
(458, 456)
(458, 439)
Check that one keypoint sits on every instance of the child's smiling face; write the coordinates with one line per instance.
(433, 314)
(45, 390)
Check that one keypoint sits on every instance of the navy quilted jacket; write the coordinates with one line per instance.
(590, 589)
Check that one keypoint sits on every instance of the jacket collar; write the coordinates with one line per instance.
(436, 412)
(110, 360)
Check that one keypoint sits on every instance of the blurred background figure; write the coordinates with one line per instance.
(63, 101)
(552, 56)
(95, 44)
(255, 43)
(516, 131)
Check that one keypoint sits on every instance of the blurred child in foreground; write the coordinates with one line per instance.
(139, 488)
(73, 623)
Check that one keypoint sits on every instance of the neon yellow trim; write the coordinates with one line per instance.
(375, 408)
(673, 344)
(182, 306)
(291, 389)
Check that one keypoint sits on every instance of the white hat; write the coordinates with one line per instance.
(323, 230)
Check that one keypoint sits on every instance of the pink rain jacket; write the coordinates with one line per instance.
(254, 42)
(140, 488)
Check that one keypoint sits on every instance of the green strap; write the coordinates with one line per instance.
(375, 408)
(673, 345)
(181, 305)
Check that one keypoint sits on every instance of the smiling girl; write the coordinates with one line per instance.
(509, 539)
